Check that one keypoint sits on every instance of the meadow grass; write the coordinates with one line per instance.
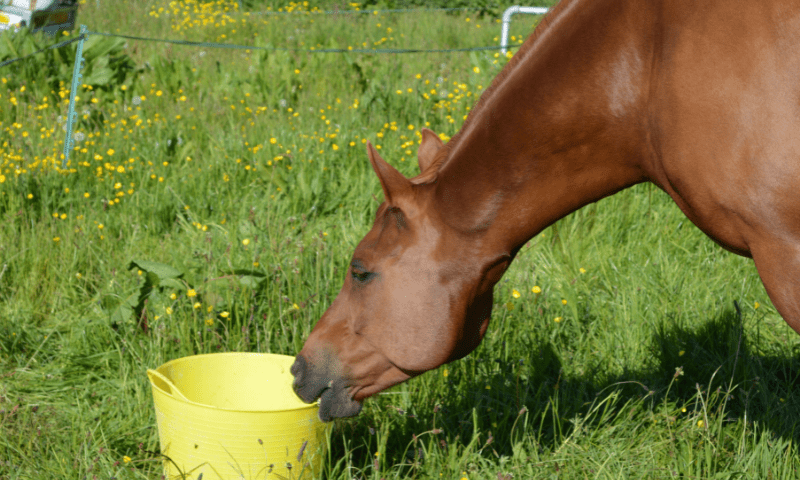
(615, 348)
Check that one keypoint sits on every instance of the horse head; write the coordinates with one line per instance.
(417, 294)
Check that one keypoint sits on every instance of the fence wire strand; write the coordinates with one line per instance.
(57, 45)
(306, 50)
(367, 11)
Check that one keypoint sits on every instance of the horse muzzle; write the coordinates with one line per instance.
(318, 381)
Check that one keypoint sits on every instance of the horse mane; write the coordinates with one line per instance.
(431, 173)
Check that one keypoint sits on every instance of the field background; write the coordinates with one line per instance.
(615, 348)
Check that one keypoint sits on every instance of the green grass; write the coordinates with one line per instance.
(650, 371)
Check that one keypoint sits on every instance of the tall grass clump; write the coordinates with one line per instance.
(211, 203)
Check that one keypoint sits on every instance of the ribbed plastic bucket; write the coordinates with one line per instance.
(234, 416)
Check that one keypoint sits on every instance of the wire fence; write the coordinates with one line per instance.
(85, 33)
(293, 49)
(368, 11)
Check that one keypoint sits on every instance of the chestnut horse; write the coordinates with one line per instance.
(700, 98)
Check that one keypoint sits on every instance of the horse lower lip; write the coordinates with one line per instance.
(329, 393)
(353, 391)
(322, 393)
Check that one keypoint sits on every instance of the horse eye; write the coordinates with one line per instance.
(361, 275)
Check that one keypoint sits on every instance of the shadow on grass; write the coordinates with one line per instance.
(761, 383)
(532, 396)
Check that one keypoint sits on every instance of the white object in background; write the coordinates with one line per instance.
(52, 16)
(507, 19)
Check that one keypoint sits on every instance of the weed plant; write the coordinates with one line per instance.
(211, 204)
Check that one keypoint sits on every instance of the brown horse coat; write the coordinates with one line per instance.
(700, 98)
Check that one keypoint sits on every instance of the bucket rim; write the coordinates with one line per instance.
(155, 387)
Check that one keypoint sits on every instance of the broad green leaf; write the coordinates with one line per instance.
(246, 228)
(125, 308)
(172, 283)
(99, 47)
(250, 281)
(162, 270)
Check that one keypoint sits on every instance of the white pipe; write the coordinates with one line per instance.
(507, 20)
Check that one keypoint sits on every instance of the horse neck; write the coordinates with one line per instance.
(562, 126)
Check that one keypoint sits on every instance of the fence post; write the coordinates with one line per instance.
(72, 117)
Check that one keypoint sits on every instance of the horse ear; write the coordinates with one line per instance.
(430, 144)
(394, 184)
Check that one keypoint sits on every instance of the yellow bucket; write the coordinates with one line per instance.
(234, 416)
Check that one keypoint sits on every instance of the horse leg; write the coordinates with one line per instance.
(778, 264)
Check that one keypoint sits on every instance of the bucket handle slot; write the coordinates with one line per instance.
(165, 384)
